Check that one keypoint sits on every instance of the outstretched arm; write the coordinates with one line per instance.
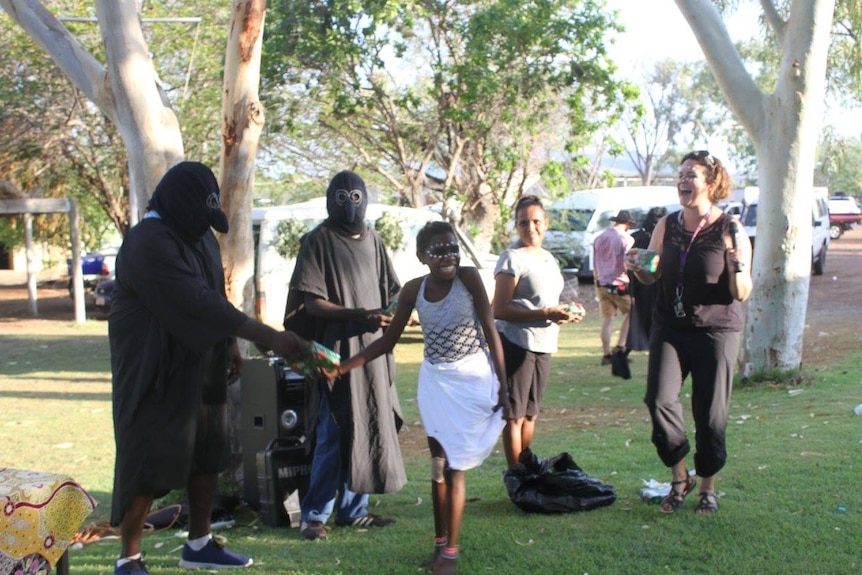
(322, 308)
(384, 344)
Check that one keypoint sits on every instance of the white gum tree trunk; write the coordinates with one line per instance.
(243, 122)
(784, 127)
(125, 90)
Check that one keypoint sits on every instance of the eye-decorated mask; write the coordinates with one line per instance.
(346, 201)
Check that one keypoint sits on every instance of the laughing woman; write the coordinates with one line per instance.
(703, 278)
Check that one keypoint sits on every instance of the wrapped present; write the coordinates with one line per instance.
(576, 308)
(321, 357)
(647, 260)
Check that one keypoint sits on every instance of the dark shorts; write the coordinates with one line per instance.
(527, 375)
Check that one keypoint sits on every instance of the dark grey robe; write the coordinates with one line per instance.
(357, 274)
(167, 315)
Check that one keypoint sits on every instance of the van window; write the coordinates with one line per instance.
(569, 220)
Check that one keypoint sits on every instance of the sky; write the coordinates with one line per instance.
(656, 30)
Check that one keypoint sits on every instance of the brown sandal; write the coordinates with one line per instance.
(708, 503)
(673, 501)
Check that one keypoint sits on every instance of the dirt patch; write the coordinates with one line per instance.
(832, 318)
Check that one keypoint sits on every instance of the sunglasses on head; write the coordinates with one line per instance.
(701, 155)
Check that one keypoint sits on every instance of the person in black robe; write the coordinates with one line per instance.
(643, 295)
(170, 331)
(341, 285)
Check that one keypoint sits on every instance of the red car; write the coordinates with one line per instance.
(844, 213)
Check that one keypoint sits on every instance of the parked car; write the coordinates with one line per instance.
(732, 208)
(578, 218)
(820, 234)
(95, 267)
(844, 213)
(103, 294)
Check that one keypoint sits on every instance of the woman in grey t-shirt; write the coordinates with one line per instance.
(528, 313)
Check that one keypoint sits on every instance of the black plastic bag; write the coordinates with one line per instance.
(620, 364)
(554, 485)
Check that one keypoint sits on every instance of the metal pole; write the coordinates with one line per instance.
(148, 20)
(31, 264)
(77, 279)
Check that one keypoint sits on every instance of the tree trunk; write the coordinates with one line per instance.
(244, 117)
(784, 127)
(126, 91)
(143, 115)
(781, 268)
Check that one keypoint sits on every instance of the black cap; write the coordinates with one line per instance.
(624, 217)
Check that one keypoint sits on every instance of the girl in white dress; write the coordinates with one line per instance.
(462, 394)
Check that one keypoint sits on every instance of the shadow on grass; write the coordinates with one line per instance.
(24, 355)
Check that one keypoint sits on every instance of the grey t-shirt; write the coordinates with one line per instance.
(538, 284)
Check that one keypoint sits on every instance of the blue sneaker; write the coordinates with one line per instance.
(212, 556)
(133, 567)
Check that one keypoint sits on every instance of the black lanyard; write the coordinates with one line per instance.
(683, 258)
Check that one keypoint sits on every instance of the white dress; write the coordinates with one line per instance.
(457, 384)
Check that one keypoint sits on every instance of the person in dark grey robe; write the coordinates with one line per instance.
(341, 285)
(170, 331)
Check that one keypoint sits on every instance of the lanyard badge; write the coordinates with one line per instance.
(678, 308)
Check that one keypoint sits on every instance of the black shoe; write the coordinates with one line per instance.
(365, 521)
(133, 567)
(606, 359)
(212, 556)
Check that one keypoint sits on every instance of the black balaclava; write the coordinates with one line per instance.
(346, 200)
(187, 199)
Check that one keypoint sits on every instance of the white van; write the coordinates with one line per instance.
(820, 233)
(578, 218)
(272, 270)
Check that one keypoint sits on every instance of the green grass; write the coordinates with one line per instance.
(790, 492)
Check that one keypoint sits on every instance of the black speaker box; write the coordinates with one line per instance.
(283, 473)
(272, 404)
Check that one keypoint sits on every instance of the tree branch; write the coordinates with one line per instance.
(85, 72)
(739, 89)
(776, 22)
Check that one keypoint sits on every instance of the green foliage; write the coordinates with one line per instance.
(189, 58)
(845, 54)
(54, 144)
(287, 236)
(55, 141)
(476, 88)
(390, 230)
(839, 165)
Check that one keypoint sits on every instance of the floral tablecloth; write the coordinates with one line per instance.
(41, 512)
